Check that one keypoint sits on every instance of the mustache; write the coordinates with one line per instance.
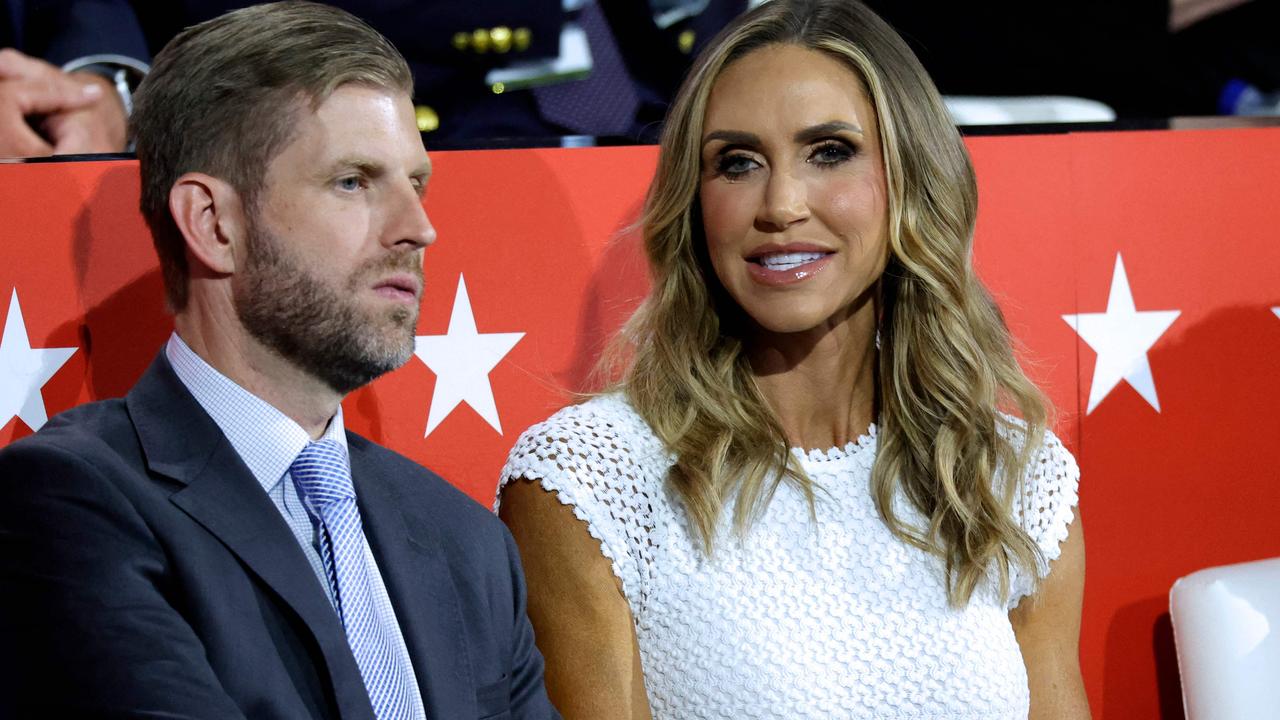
(377, 267)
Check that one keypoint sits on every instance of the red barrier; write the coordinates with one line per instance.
(1180, 450)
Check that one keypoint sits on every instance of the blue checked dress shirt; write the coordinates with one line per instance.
(268, 442)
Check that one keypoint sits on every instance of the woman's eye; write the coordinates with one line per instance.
(735, 167)
(831, 153)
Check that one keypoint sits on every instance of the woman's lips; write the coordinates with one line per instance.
(787, 268)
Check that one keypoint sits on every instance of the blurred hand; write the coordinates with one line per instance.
(100, 127)
(74, 113)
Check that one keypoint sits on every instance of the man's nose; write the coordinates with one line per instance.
(411, 226)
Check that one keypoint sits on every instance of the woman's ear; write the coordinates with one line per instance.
(210, 215)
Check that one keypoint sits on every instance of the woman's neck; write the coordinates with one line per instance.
(820, 384)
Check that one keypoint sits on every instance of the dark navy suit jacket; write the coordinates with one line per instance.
(144, 573)
(63, 30)
(448, 79)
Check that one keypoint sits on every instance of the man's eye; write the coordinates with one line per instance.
(351, 183)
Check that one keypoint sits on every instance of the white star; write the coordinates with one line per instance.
(461, 361)
(1122, 336)
(24, 370)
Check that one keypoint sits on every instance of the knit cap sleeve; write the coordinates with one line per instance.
(1045, 507)
(600, 459)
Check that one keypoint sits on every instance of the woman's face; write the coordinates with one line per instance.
(793, 188)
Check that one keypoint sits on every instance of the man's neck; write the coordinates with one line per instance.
(230, 350)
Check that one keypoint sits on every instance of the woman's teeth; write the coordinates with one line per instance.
(787, 261)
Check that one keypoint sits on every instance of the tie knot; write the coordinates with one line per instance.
(322, 473)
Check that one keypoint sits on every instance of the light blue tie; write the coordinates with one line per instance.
(322, 473)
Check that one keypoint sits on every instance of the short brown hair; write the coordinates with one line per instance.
(223, 97)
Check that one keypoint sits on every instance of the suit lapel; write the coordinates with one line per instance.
(182, 442)
(420, 586)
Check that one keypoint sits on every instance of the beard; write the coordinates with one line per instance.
(317, 324)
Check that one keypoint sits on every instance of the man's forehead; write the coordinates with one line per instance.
(356, 121)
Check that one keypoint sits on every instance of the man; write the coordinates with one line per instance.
(214, 545)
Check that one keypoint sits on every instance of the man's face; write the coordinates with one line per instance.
(333, 272)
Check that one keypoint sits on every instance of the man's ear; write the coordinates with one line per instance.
(211, 217)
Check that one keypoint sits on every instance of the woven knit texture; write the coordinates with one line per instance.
(800, 619)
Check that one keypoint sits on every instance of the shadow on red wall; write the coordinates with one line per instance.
(617, 287)
(110, 248)
(1133, 630)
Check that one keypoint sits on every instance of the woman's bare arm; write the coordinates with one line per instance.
(1047, 625)
(580, 616)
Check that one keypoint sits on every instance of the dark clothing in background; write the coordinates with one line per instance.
(59, 31)
(1118, 52)
(448, 80)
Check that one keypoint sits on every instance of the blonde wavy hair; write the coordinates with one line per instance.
(946, 371)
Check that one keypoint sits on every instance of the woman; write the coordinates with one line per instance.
(803, 500)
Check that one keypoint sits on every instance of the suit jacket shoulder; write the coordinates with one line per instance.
(147, 573)
(460, 560)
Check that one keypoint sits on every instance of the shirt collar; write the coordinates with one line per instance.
(266, 439)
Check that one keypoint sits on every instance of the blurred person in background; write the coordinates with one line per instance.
(483, 70)
(541, 69)
(66, 68)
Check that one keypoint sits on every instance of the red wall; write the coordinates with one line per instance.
(543, 240)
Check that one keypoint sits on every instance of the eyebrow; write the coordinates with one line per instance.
(367, 166)
(807, 135)
(834, 127)
(374, 168)
(731, 137)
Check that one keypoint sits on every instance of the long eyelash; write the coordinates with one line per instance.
(724, 162)
(844, 151)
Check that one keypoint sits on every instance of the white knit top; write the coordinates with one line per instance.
(800, 619)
